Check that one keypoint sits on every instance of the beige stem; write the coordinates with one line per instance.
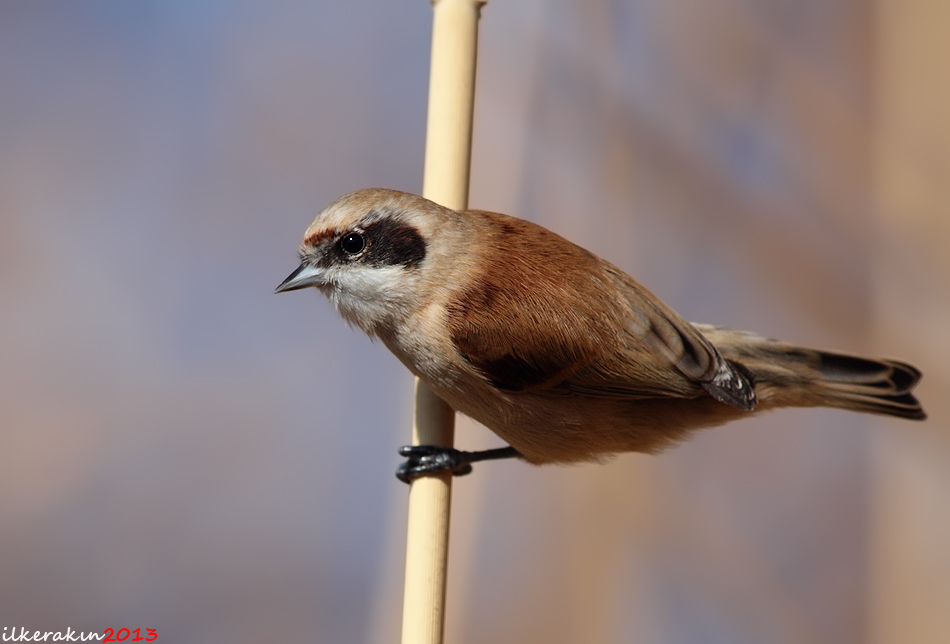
(447, 161)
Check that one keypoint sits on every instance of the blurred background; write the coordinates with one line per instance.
(183, 450)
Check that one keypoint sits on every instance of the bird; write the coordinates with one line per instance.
(559, 352)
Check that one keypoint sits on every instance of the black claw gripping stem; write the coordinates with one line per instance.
(433, 459)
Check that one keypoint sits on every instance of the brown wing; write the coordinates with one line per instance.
(672, 345)
(544, 317)
(520, 324)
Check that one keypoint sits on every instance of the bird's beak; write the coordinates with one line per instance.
(305, 275)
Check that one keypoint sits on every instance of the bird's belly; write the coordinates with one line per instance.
(564, 429)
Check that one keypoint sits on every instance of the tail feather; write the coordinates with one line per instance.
(894, 376)
(786, 375)
(905, 406)
(875, 386)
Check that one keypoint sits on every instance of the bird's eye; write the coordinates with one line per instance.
(352, 243)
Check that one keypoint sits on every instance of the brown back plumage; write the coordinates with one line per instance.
(528, 328)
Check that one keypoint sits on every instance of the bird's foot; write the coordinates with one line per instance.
(424, 460)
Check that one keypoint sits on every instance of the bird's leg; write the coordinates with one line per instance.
(433, 459)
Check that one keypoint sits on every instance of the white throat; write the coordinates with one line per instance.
(368, 297)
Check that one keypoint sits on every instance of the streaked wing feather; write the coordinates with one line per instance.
(526, 327)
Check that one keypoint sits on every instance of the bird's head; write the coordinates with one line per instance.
(368, 253)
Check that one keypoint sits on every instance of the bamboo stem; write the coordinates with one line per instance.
(451, 102)
(445, 181)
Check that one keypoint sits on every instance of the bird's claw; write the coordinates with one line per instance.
(423, 460)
